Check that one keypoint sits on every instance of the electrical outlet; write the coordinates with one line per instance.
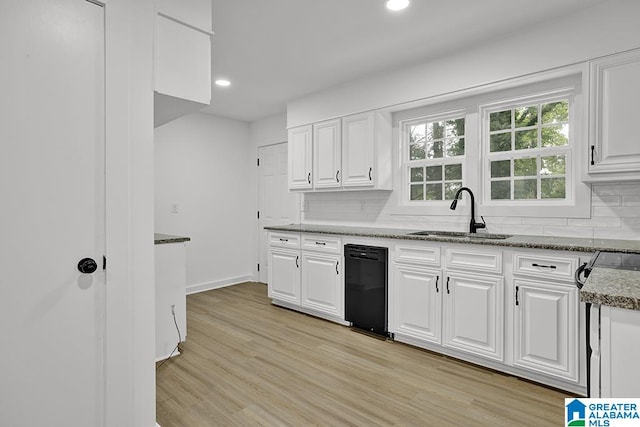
(175, 208)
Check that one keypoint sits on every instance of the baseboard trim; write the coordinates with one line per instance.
(202, 287)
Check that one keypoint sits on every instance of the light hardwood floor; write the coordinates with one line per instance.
(246, 362)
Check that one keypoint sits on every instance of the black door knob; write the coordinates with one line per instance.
(87, 266)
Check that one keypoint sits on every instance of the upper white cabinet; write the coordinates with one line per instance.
(349, 153)
(182, 71)
(614, 108)
(300, 158)
(327, 154)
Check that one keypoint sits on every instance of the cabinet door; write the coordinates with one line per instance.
(358, 150)
(327, 154)
(619, 331)
(614, 107)
(300, 158)
(322, 285)
(546, 328)
(284, 275)
(417, 302)
(473, 314)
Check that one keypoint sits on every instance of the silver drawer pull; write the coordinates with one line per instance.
(544, 266)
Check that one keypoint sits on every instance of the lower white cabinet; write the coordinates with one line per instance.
(418, 302)
(322, 287)
(284, 275)
(545, 328)
(473, 314)
(306, 274)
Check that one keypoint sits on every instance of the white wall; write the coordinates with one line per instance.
(600, 30)
(201, 163)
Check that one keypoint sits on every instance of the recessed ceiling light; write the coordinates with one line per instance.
(396, 5)
(223, 82)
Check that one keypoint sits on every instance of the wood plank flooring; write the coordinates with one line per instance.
(247, 362)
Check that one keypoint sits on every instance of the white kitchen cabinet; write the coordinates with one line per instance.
(348, 153)
(545, 328)
(300, 159)
(284, 275)
(614, 108)
(182, 70)
(327, 154)
(322, 287)
(619, 353)
(473, 314)
(417, 302)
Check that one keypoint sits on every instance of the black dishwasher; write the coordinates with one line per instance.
(365, 286)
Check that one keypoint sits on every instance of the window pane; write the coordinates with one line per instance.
(501, 168)
(452, 172)
(455, 127)
(417, 192)
(526, 139)
(433, 191)
(526, 116)
(417, 174)
(525, 189)
(416, 142)
(555, 136)
(455, 147)
(435, 131)
(525, 167)
(500, 190)
(434, 150)
(500, 142)
(553, 188)
(450, 189)
(434, 173)
(500, 120)
(555, 112)
(553, 165)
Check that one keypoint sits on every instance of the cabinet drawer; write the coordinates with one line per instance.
(474, 260)
(420, 255)
(330, 244)
(544, 266)
(284, 240)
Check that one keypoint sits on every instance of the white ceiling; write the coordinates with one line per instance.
(274, 51)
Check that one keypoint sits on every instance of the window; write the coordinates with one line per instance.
(528, 150)
(435, 157)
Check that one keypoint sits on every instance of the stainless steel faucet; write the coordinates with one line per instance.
(473, 225)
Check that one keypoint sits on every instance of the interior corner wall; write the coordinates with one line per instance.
(201, 165)
(603, 29)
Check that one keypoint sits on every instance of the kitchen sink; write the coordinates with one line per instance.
(461, 235)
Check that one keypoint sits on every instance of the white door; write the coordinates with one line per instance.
(418, 302)
(358, 150)
(546, 328)
(322, 284)
(473, 313)
(300, 158)
(52, 196)
(327, 154)
(277, 206)
(284, 275)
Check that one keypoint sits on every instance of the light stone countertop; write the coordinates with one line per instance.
(160, 239)
(520, 241)
(612, 287)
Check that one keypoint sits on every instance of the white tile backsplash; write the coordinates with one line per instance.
(615, 214)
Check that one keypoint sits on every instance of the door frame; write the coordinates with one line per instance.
(129, 368)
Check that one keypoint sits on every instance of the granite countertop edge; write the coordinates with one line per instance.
(160, 238)
(612, 287)
(520, 241)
